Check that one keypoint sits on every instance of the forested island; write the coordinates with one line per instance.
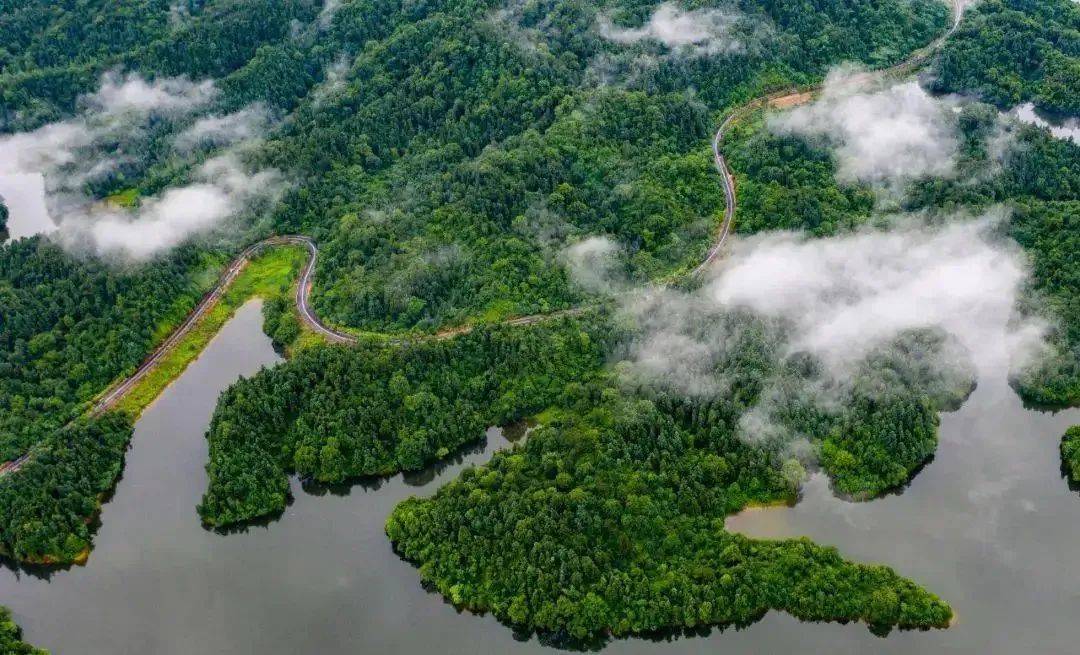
(457, 162)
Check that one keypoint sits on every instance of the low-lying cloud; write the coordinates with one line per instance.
(594, 265)
(229, 129)
(844, 295)
(110, 138)
(815, 322)
(701, 31)
(886, 137)
(119, 94)
(221, 188)
(841, 300)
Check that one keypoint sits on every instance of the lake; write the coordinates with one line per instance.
(989, 525)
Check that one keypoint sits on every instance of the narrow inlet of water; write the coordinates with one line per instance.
(989, 525)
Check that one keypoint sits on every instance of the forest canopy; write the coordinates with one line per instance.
(1013, 51)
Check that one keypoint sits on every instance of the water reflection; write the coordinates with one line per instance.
(24, 195)
(989, 525)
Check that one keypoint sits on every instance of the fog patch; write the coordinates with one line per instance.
(108, 132)
(334, 78)
(699, 31)
(109, 141)
(886, 137)
(1061, 128)
(789, 327)
(327, 13)
(217, 131)
(24, 195)
(844, 295)
(595, 264)
(220, 188)
(120, 94)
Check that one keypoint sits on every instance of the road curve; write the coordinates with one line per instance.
(303, 292)
(799, 95)
(115, 393)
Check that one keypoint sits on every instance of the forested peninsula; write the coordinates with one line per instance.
(462, 164)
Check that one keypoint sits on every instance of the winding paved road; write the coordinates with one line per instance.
(789, 97)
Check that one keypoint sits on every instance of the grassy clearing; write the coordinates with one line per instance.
(127, 198)
(273, 273)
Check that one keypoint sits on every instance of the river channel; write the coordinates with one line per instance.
(989, 525)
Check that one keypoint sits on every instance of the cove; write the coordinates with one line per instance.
(989, 525)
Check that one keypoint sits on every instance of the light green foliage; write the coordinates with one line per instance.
(11, 642)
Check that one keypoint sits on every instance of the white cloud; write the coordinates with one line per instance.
(113, 131)
(932, 306)
(327, 13)
(43, 149)
(843, 300)
(888, 136)
(222, 189)
(702, 30)
(70, 153)
(217, 131)
(120, 94)
(593, 263)
(844, 295)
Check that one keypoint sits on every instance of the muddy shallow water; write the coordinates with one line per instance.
(989, 525)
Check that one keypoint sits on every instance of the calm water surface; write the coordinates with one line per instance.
(989, 525)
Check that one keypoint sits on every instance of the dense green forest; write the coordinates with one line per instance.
(46, 509)
(625, 485)
(447, 193)
(787, 183)
(609, 520)
(1070, 454)
(333, 414)
(53, 52)
(1051, 233)
(11, 642)
(69, 327)
(1013, 51)
(3, 220)
(443, 154)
